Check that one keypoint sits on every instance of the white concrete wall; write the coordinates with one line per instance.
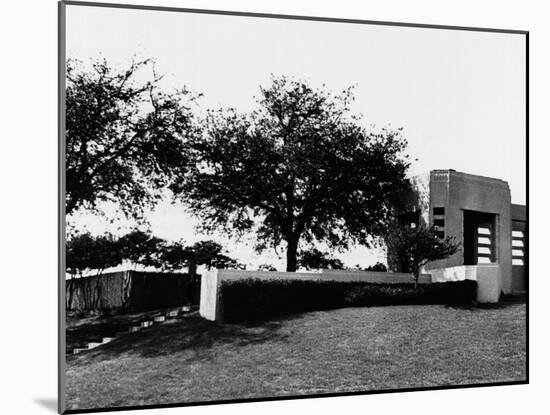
(209, 294)
(487, 277)
(211, 281)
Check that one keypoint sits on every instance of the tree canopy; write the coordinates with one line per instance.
(140, 247)
(125, 138)
(414, 247)
(314, 259)
(378, 267)
(298, 168)
(208, 253)
(86, 252)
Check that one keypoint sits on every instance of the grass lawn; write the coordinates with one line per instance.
(344, 350)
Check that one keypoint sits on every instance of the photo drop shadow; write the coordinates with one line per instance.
(48, 403)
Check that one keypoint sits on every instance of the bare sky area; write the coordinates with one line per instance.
(459, 95)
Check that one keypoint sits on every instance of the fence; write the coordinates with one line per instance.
(132, 291)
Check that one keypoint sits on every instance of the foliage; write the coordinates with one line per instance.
(86, 252)
(173, 256)
(414, 247)
(140, 247)
(209, 253)
(125, 139)
(450, 293)
(315, 259)
(300, 165)
(378, 267)
(267, 267)
(256, 299)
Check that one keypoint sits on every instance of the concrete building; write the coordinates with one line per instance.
(478, 212)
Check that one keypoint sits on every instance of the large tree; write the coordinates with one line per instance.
(300, 167)
(125, 138)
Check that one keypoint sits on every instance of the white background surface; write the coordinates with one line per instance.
(28, 174)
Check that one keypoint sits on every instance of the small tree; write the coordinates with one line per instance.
(414, 247)
(85, 252)
(173, 256)
(315, 259)
(267, 267)
(140, 247)
(209, 253)
(378, 267)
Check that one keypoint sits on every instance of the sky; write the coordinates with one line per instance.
(458, 95)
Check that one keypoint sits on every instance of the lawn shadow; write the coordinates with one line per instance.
(189, 334)
(505, 301)
(84, 329)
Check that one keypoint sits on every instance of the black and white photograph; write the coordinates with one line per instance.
(261, 207)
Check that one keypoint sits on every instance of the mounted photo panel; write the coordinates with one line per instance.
(259, 207)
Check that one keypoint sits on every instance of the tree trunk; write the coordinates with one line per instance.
(291, 253)
(192, 269)
(416, 274)
(70, 284)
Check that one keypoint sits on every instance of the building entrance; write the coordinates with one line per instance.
(479, 238)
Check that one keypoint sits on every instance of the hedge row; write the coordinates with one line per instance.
(255, 299)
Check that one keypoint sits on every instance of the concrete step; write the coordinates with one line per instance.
(173, 313)
(93, 345)
(157, 317)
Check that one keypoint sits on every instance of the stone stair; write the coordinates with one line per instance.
(146, 322)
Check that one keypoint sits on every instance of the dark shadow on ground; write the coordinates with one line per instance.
(48, 403)
(82, 329)
(505, 301)
(514, 298)
(190, 333)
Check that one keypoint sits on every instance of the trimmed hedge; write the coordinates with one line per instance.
(255, 299)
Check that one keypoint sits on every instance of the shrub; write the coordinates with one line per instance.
(456, 292)
(255, 299)
(379, 267)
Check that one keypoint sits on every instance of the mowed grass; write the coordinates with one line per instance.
(344, 350)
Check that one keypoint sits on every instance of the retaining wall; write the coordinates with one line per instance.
(211, 281)
(487, 277)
